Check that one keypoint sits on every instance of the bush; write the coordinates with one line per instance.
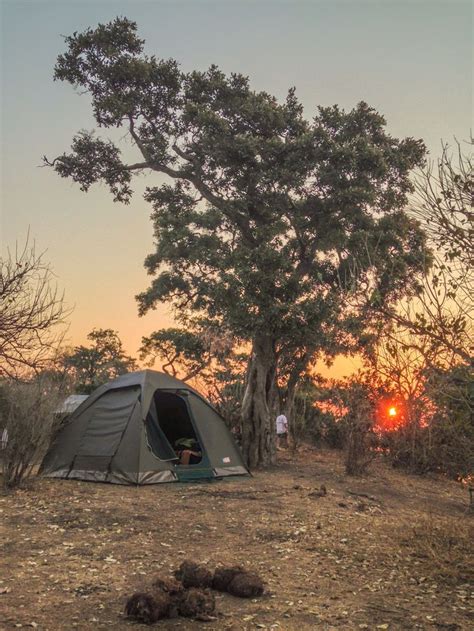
(228, 402)
(28, 414)
(444, 440)
(358, 424)
(324, 429)
(443, 446)
(451, 436)
(311, 423)
(344, 418)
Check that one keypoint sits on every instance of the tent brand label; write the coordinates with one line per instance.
(226, 459)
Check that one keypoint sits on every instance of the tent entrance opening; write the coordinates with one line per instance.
(175, 423)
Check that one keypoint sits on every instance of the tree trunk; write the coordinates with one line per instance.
(290, 412)
(290, 396)
(258, 405)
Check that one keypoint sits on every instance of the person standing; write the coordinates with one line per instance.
(282, 431)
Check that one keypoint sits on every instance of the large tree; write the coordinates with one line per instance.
(270, 220)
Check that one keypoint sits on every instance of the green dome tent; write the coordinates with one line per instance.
(129, 430)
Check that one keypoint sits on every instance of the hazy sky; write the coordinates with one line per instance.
(410, 60)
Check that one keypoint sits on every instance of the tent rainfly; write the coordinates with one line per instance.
(129, 431)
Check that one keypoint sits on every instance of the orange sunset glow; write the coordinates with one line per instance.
(97, 247)
(389, 415)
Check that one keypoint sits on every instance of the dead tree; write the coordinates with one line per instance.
(32, 312)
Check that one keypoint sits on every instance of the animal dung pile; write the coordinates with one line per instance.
(322, 492)
(194, 575)
(197, 603)
(148, 607)
(235, 579)
(246, 585)
(168, 585)
(238, 582)
(189, 594)
(223, 576)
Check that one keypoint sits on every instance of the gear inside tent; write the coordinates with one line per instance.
(144, 428)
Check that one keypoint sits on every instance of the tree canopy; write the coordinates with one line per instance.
(104, 360)
(270, 222)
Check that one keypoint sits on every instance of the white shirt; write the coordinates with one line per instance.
(281, 424)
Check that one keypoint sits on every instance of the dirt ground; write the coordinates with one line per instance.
(385, 551)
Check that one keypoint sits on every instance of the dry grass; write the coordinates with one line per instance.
(443, 545)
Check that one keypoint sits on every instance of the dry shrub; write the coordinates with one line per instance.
(357, 424)
(358, 444)
(32, 313)
(28, 413)
(444, 548)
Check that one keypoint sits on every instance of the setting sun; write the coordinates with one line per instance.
(390, 415)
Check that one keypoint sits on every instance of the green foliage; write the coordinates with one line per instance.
(272, 261)
(176, 349)
(281, 229)
(99, 363)
(349, 420)
(225, 387)
(93, 160)
(205, 355)
(292, 206)
(451, 432)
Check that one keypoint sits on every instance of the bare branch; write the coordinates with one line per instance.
(32, 312)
